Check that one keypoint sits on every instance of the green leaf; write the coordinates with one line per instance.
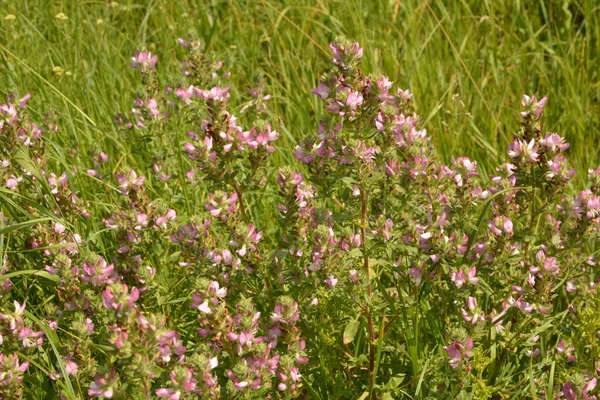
(355, 253)
(23, 225)
(350, 331)
(175, 256)
(42, 273)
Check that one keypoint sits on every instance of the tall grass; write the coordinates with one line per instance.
(468, 62)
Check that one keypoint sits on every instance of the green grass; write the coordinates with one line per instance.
(467, 62)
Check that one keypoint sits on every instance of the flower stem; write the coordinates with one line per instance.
(241, 201)
(363, 237)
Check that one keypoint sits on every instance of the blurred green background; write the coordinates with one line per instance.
(467, 62)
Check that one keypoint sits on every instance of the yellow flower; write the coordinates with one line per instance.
(61, 17)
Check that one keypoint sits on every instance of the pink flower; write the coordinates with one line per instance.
(523, 151)
(476, 315)
(343, 54)
(472, 279)
(129, 181)
(117, 297)
(31, 338)
(458, 278)
(457, 351)
(331, 281)
(98, 272)
(161, 222)
(102, 385)
(216, 93)
(532, 105)
(168, 393)
(144, 61)
(554, 142)
(59, 228)
(186, 94)
(71, 368)
(89, 325)
(569, 392)
(322, 91)
(221, 201)
(354, 100)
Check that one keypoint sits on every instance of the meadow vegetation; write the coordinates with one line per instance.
(307, 199)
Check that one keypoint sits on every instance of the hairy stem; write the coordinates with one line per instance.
(241, 201)
(363, 239)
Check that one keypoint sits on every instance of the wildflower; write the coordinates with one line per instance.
(459, 351)
(11, 370)
(15, 320)
(71, 367)
(344, 53)
(331, 281)
(532, 106)
(186, 94)
(103, 385)
(476, 316)
(129, 181)
(354, 100)
(562, 348)
(216, 94)
(59, 228)
(144, 61)
(12, 182)
(322, 90)
(30, 338)
(61, 17)
(202, 300)
(523, 151)
(285, 313)
(416, 274)
(161, 222)
(554, 142)
(98, 272)
(459, 278)
(117, 297)
(171, 394)
(221, 201)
